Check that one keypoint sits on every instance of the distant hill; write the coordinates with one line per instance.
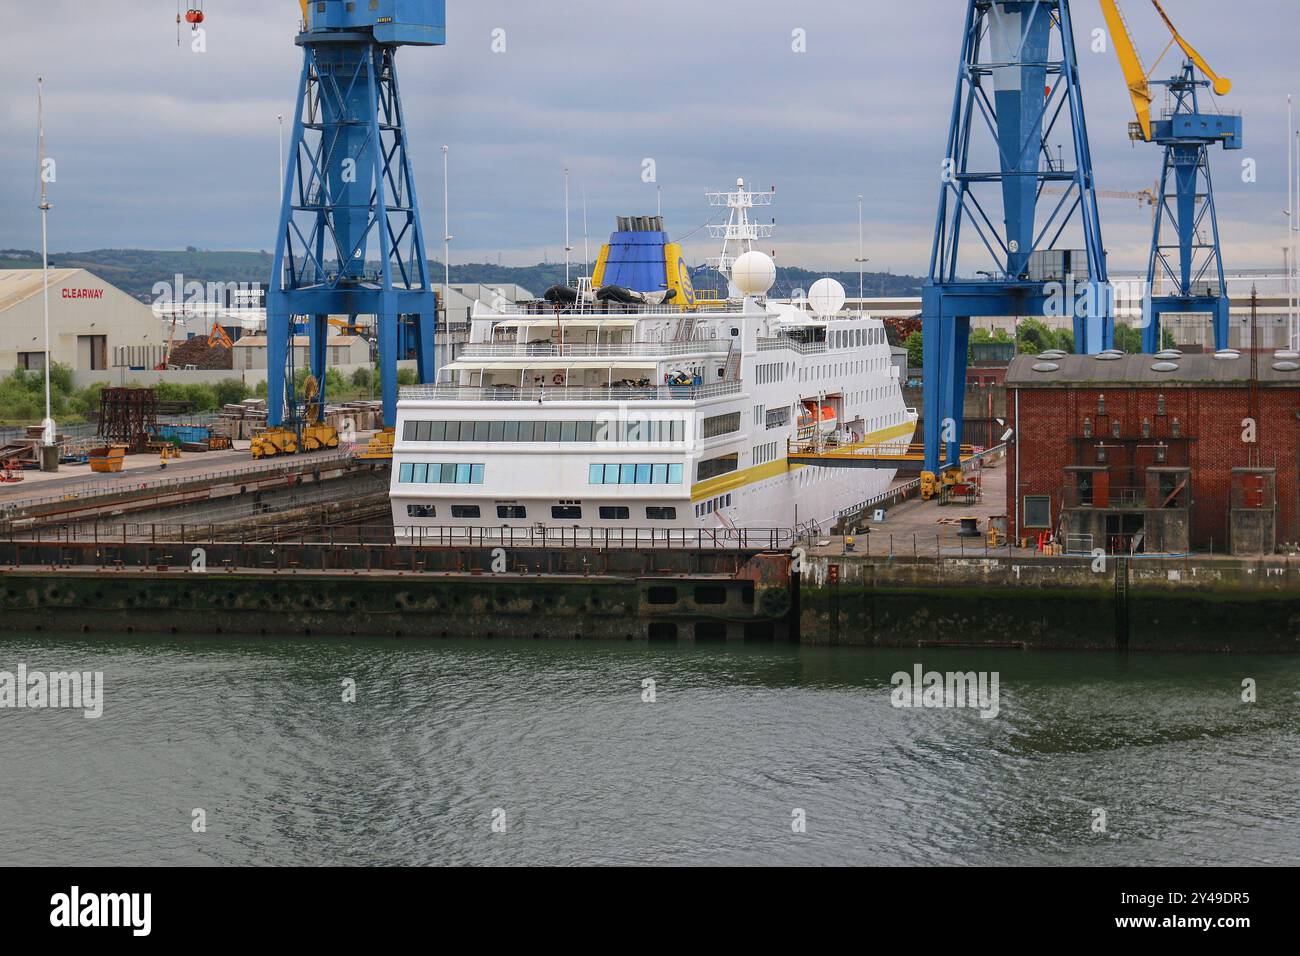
(136, 270)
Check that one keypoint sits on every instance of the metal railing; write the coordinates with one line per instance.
(84, 490)
(558, 393)
(784, 342)
(473, 350)
(423, 536)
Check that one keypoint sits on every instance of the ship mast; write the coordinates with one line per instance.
(740, 233)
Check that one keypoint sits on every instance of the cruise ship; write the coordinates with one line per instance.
(633, 406)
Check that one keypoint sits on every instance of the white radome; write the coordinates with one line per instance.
(826, 297)
(753, 273)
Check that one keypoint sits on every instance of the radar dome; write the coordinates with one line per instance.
(753, 273)
(826, 297)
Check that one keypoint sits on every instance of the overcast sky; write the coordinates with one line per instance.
(158, 147)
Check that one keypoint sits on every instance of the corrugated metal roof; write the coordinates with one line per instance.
(19, 284)
(1201, 369)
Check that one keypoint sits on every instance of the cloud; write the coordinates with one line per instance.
(159, 147)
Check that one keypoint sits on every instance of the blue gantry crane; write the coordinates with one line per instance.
(1186, 132)
(1017, 83)
(349, 202)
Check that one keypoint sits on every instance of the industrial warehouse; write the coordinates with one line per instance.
(916, 498)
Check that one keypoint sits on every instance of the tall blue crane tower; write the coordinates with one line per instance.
(1017, 82)
(1186, 131)
(349, 201)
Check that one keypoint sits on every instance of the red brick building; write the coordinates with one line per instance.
(1131, 452)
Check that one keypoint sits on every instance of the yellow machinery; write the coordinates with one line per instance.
(308, 434)
(1136, 75)
(381, 445)
(931, 483)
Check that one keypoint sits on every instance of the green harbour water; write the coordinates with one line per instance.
(443, 734)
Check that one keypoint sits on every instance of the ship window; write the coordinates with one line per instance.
(510, 432)
(611, 474)
(643, 474)
(721, 425)
(408, 433)
(476, 474)
(480, 430)
(659, 475)
(566, 512)
(421, 511)
(634, 431)
(585, 430)
(674, 474)
(552, 432)
(512, 511)
(568, 431)
(464, 511)
(614, 513)
(627, 474)
(453, 431)
(437, 431)
(595, 474)
(448, 475)
(422, 430)
(420, 474)
(661, 514)
(712, 467)
(404, 473)
(497, 431)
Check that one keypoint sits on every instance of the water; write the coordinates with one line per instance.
(556, 734)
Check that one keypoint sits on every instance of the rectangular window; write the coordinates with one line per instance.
(510, 432)
(480, 430)
(464, 511)
(423, 430)
(614, 513)
(420, 474)
(476, 474)
(421, 511)
(611, 474)
(448, 474)
(552, 431)
(566, 512)
(496, 431)
(627, 474)
(453, 431)
(1038, 511)
(643, 474)
(585, 431)
(437, 431)
(409, 431)
(512, 511)
(659, 475)
(404, 473)
(568, 431)
(462, 474)
(712, 467)
(595, 474)
(675, 474)
(661, 514)
(720, 425)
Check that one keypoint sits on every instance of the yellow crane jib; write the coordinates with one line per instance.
(1135, 74)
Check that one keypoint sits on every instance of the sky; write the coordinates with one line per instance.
(159, 147)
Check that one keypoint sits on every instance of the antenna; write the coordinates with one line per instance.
(860, 260)
(586, 257)
(47, 426)
(446, 255)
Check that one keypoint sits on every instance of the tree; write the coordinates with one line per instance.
(913, 344)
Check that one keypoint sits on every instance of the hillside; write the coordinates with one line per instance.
(136, 270)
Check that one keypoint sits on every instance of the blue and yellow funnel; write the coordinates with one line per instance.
(639, 257)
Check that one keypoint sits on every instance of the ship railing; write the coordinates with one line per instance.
(785, 342)
(573, 537)
(510, 393)
(596, 310)
(475, 350)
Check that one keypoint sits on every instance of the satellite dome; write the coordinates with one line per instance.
(753, 273)
(826, 297)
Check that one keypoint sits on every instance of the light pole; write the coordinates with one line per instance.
(860, 260)
(446, 264)
(567, 248)
(49, 459)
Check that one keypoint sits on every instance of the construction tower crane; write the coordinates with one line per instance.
(1186, 192)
